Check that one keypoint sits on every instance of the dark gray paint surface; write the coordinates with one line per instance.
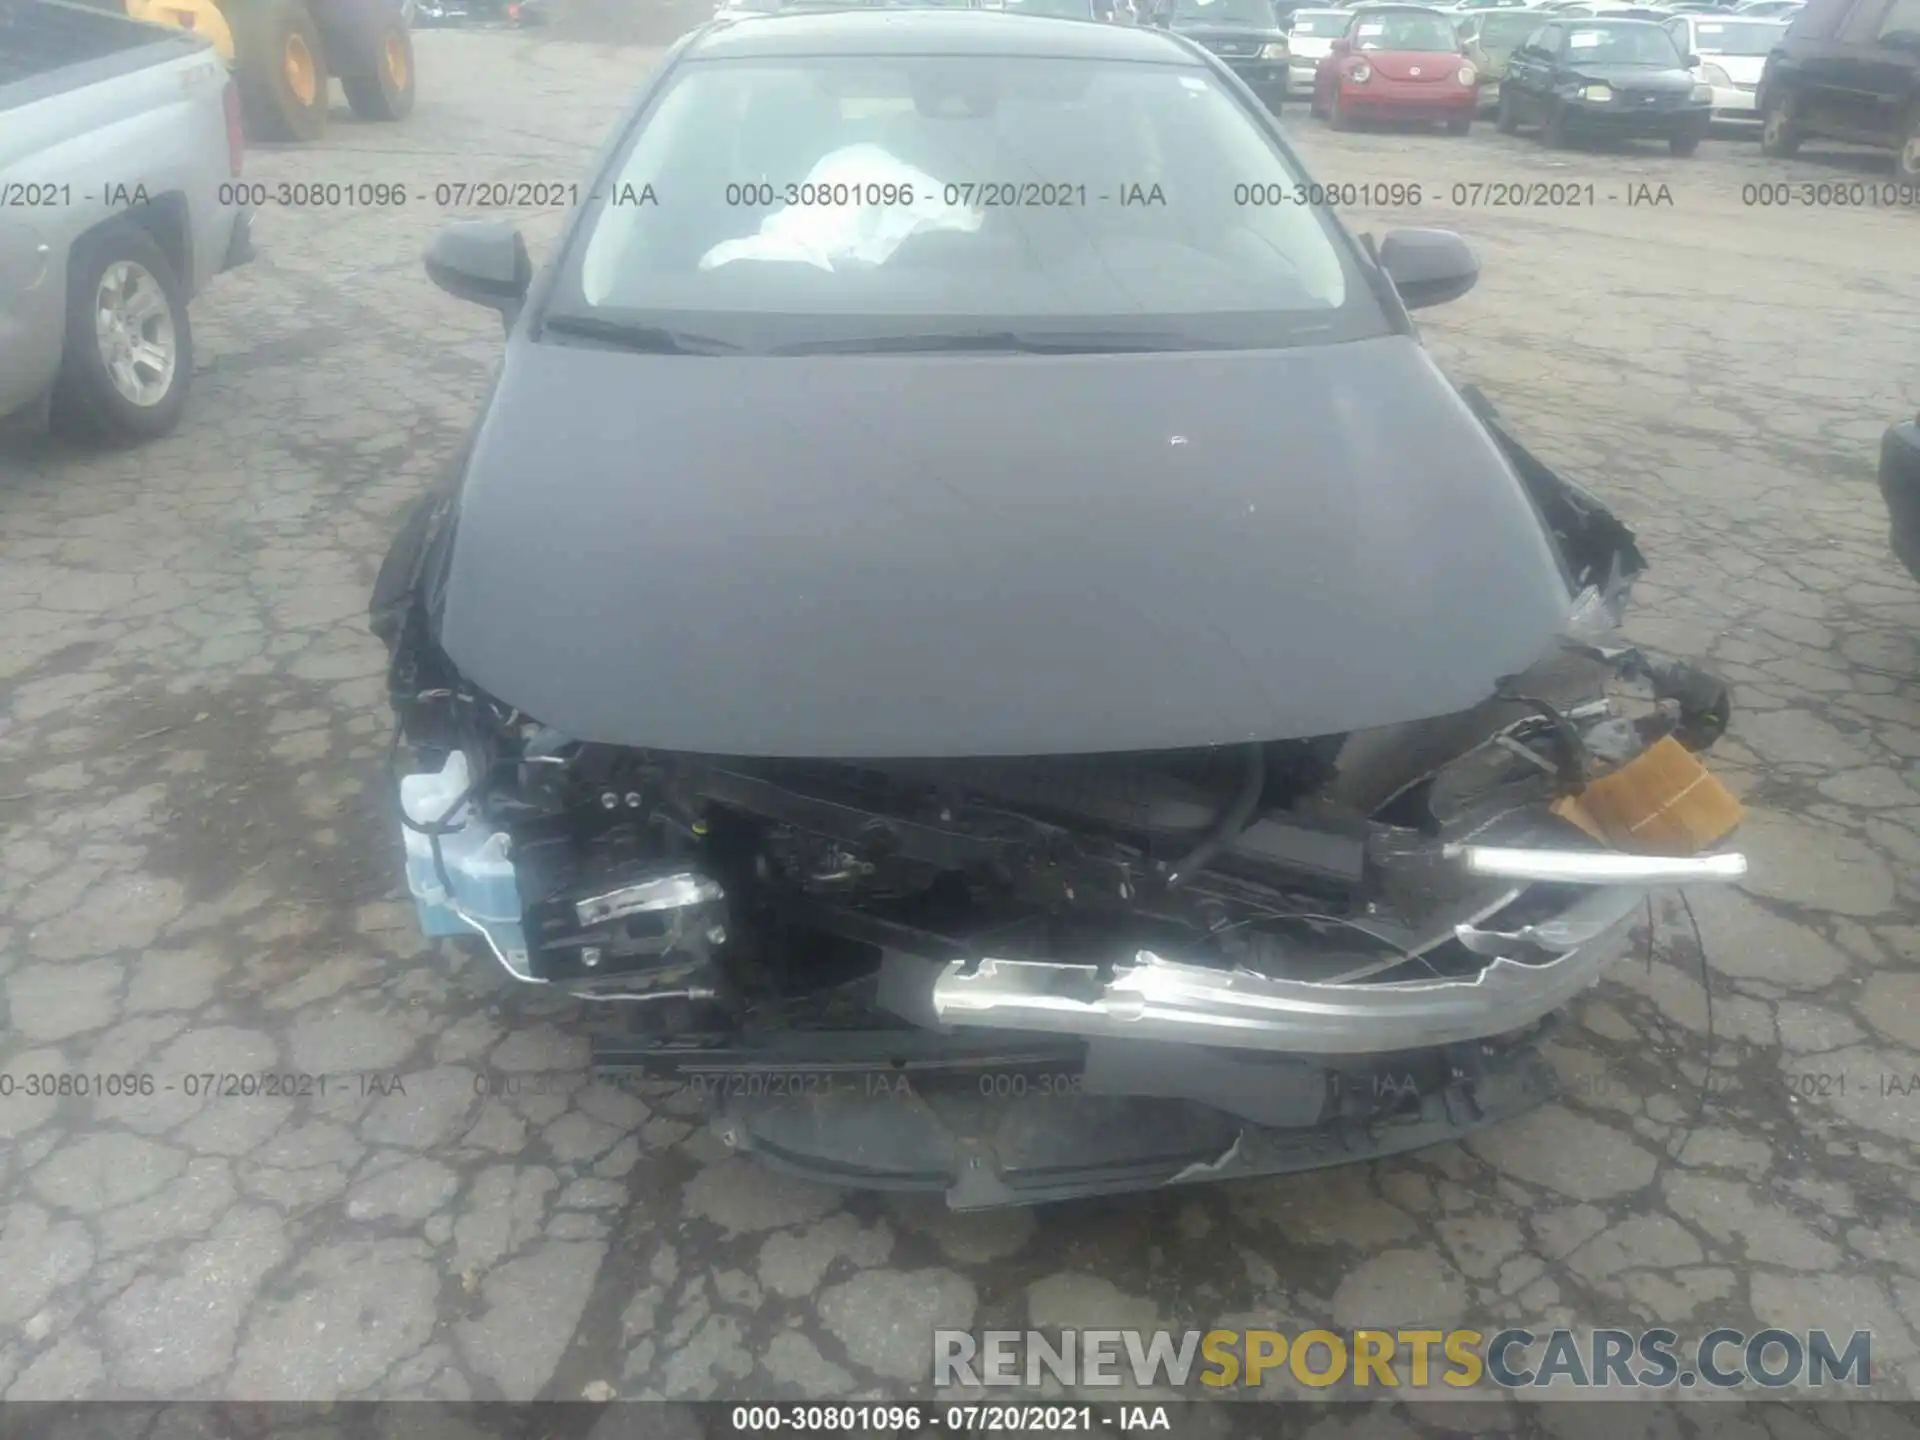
(975, 554)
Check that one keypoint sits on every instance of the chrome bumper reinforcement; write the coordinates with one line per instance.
(1158, 999)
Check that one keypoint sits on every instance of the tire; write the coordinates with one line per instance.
(1684, 143)
(386, 94)
(1553, 130)
(1907, 162)
(108, 387)
(280, 65)
(1506, 119)
(1337, 117)
(1460, 127)
(1780, 133)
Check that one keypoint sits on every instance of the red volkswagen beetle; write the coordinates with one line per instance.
(1397, 62)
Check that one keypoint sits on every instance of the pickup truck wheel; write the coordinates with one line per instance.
(386, 94)
(281, 66)
(128, 356)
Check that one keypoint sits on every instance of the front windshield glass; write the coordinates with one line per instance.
(1321, 23)
(1507, 32)
(1628, 42)
(1737, 37)
(1254, 14)
(1404, 30)
(805, 198)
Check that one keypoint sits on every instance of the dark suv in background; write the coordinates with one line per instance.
(1847, 70)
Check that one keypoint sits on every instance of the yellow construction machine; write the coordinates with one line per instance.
(283, 54)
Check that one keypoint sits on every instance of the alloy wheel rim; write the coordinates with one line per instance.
(133, 325)
(1910, 155)
(396, 53)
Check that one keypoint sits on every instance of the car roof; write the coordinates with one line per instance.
(881, 30)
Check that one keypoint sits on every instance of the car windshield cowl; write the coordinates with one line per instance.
(1031, 342)
(636, 335)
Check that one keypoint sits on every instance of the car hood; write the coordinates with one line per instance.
(1414, 64)
(945, 555)
(1638, 77)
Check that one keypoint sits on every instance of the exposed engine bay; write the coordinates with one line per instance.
(1017, 979)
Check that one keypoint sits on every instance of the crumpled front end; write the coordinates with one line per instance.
(1016, 979)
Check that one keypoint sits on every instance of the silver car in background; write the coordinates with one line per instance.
(120, 150)
(1733, 50)
(1310, 37)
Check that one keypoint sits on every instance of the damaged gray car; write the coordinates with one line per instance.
(1019, 700)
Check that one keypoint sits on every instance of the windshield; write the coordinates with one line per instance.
(1404, 30)
(1250, 14)
(1327, 23)
(1629, 42)
(1507, 32)
(766, 202)
(1736, 37)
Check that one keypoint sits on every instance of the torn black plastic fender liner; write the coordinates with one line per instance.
(1600, 550)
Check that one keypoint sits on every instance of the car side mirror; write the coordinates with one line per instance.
(1428, 267)
(1692, 62)
(484, 261)
(1341, 47)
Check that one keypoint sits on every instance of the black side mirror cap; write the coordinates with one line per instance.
(1428, 267)
(485, 261)
(1693, 62)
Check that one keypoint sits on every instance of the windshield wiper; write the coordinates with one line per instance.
(648, 339)
(1020, 342)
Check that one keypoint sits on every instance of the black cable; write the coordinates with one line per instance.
(1706, 1069)
(1253, 782)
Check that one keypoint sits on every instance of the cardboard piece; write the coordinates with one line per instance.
(1662, 802)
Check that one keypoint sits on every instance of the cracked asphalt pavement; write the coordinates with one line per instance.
(200, 871)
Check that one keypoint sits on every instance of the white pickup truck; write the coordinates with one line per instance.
(119, 145)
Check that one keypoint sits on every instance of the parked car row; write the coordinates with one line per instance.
(1845, 70)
